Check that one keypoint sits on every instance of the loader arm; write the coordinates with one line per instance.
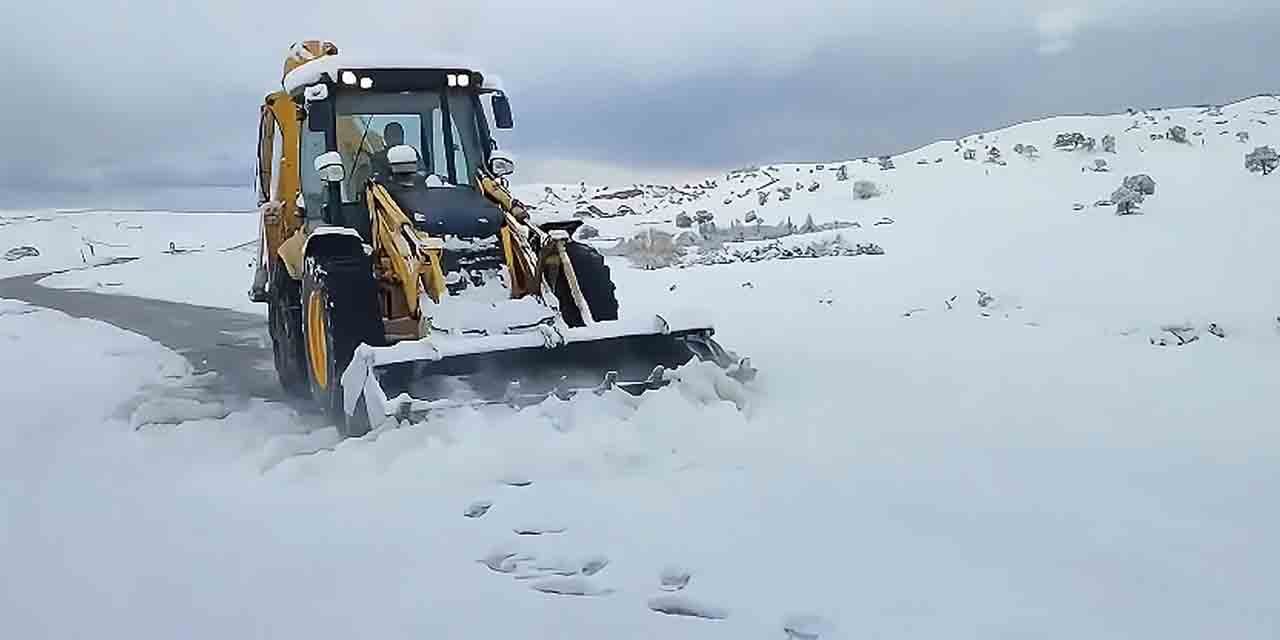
(537, 265)
(414, 257)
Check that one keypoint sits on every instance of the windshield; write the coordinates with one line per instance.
(445, 134)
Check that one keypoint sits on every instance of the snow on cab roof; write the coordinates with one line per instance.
(309, 73)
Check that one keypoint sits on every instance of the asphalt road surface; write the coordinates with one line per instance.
(233, 344)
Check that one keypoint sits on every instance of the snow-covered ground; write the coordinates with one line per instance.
(918, 460)
(199, 258)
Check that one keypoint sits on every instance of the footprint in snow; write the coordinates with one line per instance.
(807, 627)
(503, 561)
(534, 568)
(673, 579)
(570, 586)
(538, 530)
(478, 508)
(681, 605)
(594, 565)
(543, 568)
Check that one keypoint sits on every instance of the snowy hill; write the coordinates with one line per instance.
(1022, 417)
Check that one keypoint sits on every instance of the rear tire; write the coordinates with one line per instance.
(284, 319)
(596, 284)
(340, 311)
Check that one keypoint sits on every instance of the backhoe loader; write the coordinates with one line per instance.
(400, 273)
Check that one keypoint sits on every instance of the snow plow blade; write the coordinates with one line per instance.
(413, 377)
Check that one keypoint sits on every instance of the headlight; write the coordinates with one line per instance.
(329, 166)
(501, 165)
(331, 173)
(348, 77)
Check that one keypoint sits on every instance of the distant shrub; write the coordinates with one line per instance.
(649, 249)
(1178, 134)
(1142, 183)
(1109, 143)
(1262, 160)
(1126, 200)
(865, 190)
(1069, 141)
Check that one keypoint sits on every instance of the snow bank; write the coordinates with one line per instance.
(199, 258)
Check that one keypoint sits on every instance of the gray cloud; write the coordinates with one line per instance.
(155, 94)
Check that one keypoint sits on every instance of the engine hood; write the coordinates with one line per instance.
(444, 211)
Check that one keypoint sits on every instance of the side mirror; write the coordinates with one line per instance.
(319, 115)
(502, 111)
(329, 166)
(501, 164)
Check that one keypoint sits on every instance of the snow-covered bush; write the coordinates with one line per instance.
(1018, 148)
(865, 190)
(762, 197)
(970, 154)
(1126, 200)
(683, 221)
(993, 155)
(886, 163)
(587, 232)
(1069, 141)
(1109, 143)
(1178, 134)
(1089, 144)
(1142, 183)
(1242, 136)
(1262, 160)
(1030, 151)
(1100, 165)
(702, 216)
(687, 239)
(649, 249)
(842, 173)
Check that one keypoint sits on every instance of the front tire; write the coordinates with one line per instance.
(340, 311)
(594, 280)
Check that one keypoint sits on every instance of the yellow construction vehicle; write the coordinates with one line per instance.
(400, 273)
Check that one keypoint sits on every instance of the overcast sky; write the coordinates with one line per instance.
(158, 93)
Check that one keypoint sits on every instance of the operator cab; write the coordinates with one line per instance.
(421, 133)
